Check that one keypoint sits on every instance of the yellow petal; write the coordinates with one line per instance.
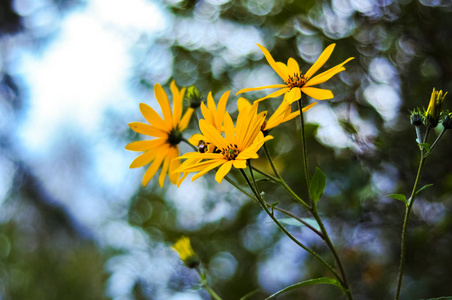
(229, 130)
(273, 86)
(274, 94)
(149, 156)
(177, 103)
(150, 172)
(162, 98)
(223, 171)
(194, 140)
(152, 117)
(242, 103)
(293, 95)
(318, 94)
(305, 109)
(239, 164)
(165, 167)
(327, 74)
(212, 134)
(272, 62)
(145, 145)
(186, 119)
(147, 129)
(213, 165)
(284, 69)
(320, 61)
(221, 109)
(174, 164)
(293, 66)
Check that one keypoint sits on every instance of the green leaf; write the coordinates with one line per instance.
(322, 280)
(426, 147)
(400, 197)
(440, 298)
(250, 294)
(424, 187)
(318, 185)
(295, 222)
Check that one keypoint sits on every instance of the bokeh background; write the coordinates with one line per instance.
(75, 222)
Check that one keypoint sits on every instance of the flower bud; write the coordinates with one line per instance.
(193, 97)
(186, 253)
(447, 121)
(434, 108)
(416, 118)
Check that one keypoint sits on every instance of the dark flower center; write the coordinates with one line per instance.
(174, 137)
(297, 80)
(231, 152)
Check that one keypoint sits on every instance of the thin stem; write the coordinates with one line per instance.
(319, 258)
(267, 154)
(286, 212)
(437, 139)
(331, 246)
(303, 145)
(266, 174)
(405, 224)
(188, 143)
(206, 286)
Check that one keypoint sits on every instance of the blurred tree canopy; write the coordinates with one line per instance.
(362, 140)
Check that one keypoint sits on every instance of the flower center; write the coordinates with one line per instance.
(231, 152)
(297, 80)
(174, 137)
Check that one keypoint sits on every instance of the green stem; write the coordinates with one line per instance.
(405, 224)
(437, 139)
(272, 216)
(407, 215)
(332, 249)
(206, 286)
(281, 181)
(303, 145)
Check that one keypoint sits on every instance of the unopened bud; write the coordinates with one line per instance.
(447, 121)
(416, 118)
(434, 108)
(186, 253)
(193, 97)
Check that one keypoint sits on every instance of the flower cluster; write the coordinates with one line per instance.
(221, 143)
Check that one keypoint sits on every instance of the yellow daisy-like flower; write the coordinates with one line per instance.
(238, 144)
(186, 253)
(160, 152)
(296, 82)
(282, 114)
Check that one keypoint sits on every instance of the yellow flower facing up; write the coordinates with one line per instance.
(282, 114)
(167, 134)
(296, 82)
(434, 108)
(186, 253)
(238, 144)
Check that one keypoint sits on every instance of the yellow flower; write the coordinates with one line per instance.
(167, 133)
(238, 144)
(282, 114)
(186, 253)
(434, 108)
(213, 115)
(296, 82)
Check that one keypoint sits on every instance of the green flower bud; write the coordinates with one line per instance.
(416, 118)
(434, 108)
(447, 121)
(193, 97)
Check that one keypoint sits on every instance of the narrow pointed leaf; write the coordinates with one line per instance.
(400, 197)
(423, 188)
(295, 222)
(322, 280)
